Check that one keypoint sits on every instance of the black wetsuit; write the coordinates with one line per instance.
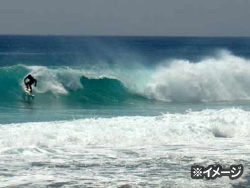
(31, 81)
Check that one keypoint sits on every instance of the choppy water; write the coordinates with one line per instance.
(123, 112)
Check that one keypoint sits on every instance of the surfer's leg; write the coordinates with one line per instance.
(27, 86)
(30, 85)
(30, 88)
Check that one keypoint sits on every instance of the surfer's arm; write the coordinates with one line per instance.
(25, 79)
(35, 82)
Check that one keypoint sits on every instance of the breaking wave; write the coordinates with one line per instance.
(131, 130)
(222, 78)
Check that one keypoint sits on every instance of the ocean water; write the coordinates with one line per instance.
(123, 111)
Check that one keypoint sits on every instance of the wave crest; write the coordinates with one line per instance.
(222, 78)
(225, 78)
(63, 84)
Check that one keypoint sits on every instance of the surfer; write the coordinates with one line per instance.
(31, 81)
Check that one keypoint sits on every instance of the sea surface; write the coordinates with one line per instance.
(123, 111)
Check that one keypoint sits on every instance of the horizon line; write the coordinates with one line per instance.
(146, 36)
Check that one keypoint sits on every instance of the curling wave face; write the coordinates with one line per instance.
(222, 78)
(63, 84)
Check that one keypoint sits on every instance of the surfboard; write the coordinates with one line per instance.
(28, 92)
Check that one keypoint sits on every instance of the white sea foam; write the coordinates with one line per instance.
(222, 78)
(61, 79)
(130, 131)
(133, 151)
(48, 80)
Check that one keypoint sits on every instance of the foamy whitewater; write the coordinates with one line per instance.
(123, 111)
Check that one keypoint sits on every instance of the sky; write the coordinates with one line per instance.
(126, 17)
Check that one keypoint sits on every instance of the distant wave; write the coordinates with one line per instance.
(222, 78)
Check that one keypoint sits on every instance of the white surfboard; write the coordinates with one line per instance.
(28, 92)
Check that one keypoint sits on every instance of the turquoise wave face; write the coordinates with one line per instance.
(10, 81)
(59, 85)
(210, 80)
